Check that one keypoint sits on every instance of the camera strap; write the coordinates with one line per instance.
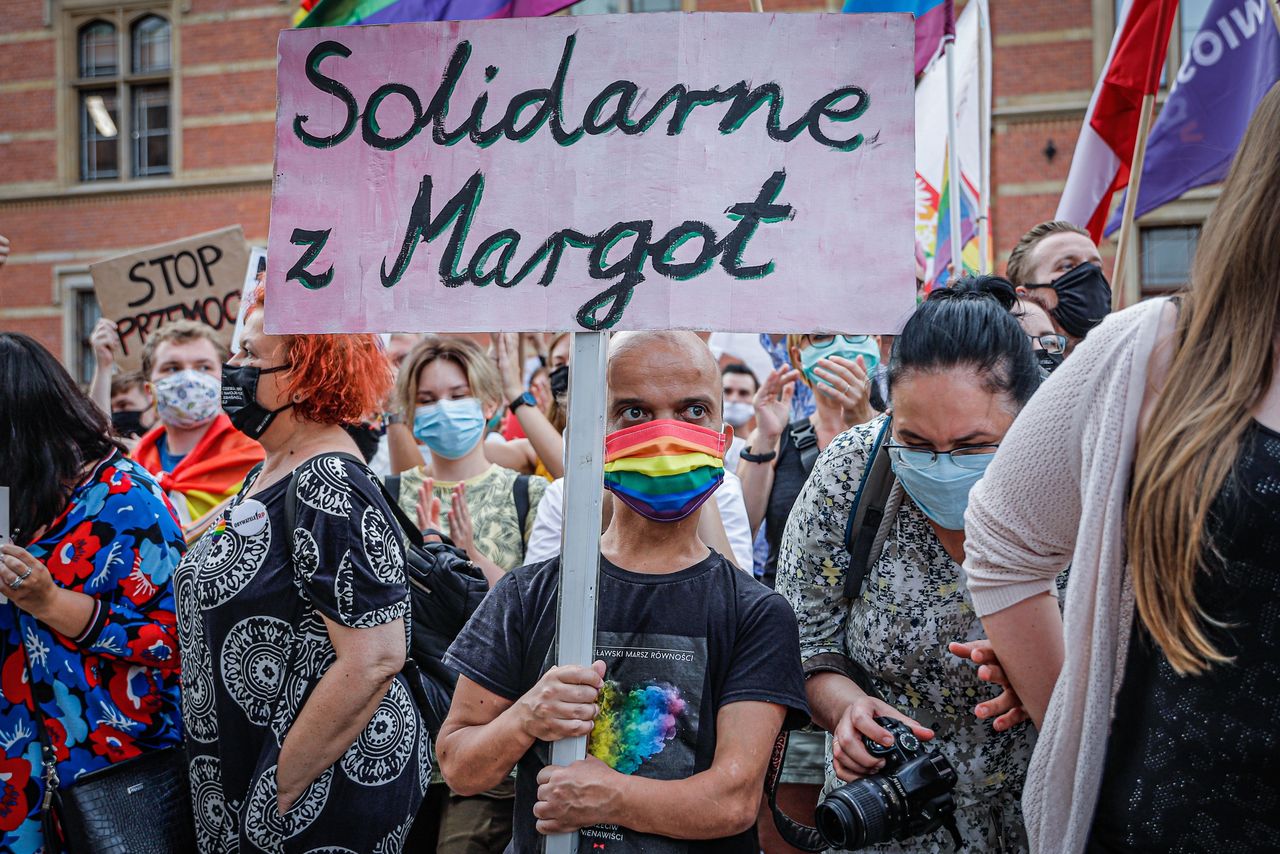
(792, 832)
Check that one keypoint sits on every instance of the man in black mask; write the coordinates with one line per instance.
(1057, 265)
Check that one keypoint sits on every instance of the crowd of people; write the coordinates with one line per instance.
(1028, 541)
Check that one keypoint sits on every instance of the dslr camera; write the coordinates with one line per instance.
(910, 796)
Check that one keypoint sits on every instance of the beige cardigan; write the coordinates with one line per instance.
(1055, 495)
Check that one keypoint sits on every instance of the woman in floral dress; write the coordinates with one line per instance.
(88, 645)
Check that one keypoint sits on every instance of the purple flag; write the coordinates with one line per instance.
(1232, 62)
(935, 20)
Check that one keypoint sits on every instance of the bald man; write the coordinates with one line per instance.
(698, 664)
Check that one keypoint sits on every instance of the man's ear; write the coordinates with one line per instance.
(1021, 290)
(728, 434)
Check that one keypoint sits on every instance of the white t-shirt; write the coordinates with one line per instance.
(548, 525)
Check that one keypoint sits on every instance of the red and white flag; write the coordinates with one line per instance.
(1104, 151)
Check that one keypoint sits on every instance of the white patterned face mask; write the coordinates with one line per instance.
(188, 399)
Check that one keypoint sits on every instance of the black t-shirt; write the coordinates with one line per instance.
(682, 644)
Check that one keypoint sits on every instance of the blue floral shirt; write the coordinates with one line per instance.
(111, 693)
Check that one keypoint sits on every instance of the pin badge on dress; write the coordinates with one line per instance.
(249, 518)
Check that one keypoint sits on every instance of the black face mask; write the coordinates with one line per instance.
(240, 399)
(1084, 299)
(559, 379)
(1048, 361)
(365, 437)
(128, 423)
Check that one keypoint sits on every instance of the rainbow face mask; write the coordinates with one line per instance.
(664, 470)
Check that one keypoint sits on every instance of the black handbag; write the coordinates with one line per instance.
(139, 804)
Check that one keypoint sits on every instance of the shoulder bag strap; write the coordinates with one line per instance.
(805, 440)
(520, 494)
(863, 537)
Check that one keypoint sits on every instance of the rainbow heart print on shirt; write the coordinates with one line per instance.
(636, 724)
(664, 470)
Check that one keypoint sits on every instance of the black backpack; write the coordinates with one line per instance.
(445, 588)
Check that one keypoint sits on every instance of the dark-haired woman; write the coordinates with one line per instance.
(87, 638)
(303, 732)
(960, 372)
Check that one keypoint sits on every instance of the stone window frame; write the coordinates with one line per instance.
(123, 14)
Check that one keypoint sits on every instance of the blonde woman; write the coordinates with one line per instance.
(1149, 462)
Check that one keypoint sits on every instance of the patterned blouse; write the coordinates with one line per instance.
(114, 689)
(913, 604)
(492, 504)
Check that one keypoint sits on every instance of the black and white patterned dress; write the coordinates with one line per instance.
(254, 646)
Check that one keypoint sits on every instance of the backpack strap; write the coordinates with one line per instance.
(520, 494)
(805, 440)
(866, 528)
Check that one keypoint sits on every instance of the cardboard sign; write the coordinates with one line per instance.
(199, 278)
(729, 172)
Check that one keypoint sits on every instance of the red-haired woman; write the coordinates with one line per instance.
(302, 730)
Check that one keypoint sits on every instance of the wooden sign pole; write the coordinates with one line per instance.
(580, 547)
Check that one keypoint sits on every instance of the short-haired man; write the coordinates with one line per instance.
(740, 385)
(198, 458)
(1057, 265)
(698, 666)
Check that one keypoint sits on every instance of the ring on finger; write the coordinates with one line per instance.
(25, 574)
(16, 583)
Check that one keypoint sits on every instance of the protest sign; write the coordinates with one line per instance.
(254, 276)
(198, 278)
(704, 171)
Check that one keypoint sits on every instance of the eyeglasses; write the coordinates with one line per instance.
(965, 457)
(1052, 344)
(822, 342)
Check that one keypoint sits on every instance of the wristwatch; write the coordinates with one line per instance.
(390, 418)
(526, 399)
(746, 454)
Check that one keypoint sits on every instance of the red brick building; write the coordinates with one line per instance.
(130, 122)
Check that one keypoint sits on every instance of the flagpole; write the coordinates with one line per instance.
(953, 161)
(757, 5)
(984, 123)
(1128, 288)
(1274, 6)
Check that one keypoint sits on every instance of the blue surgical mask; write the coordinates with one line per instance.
(450, 428)
(941, 491)
(846, 347)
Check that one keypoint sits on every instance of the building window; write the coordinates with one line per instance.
(123, 80)
(1167, 253)
(614, 7)
(85, 306)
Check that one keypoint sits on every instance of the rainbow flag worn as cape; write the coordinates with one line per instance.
(669, 466)
(338, 13)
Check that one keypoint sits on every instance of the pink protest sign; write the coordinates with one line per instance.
(734, 172)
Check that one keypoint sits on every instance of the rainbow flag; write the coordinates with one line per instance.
(935, 20)
(340, 13)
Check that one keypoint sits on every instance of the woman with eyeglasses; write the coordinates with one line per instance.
(960, 372)
(780, 452)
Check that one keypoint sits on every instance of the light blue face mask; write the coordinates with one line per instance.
(846, 347)
(450, 428)
(941, 491)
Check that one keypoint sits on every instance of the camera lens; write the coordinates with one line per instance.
(855, 815)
